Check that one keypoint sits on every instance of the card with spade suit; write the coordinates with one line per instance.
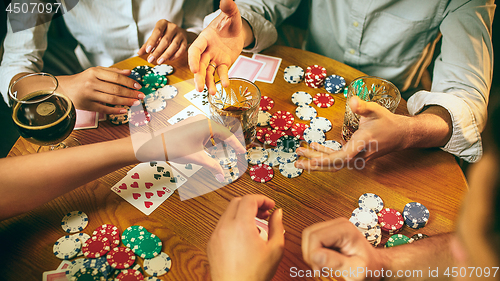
(188, 169)
(148, 185)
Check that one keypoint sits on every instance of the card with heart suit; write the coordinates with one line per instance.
(55, 275)
(187, 112)
(271, 68)
(148, 185)
(245, 67)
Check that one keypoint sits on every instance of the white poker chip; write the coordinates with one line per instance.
(256, 155)
(167, 92)
(272, 159)
(263, 118)
(224, 154)
(67, 247)
(155, 105)
(286, 157)
(321, 123)
(163, 69)
(301, 98)
(364, 218)
(306, 112)
(289, 170)
(151, 278)
(294, 74)
(335, 145)
(83, 237)
(371, 201)
(231, 174)
(74, 221)
(314, 135)
(158, 265)
(73, 267)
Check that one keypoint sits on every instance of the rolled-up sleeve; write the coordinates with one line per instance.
(462, 76)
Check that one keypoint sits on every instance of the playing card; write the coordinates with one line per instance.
(55, 275)
(271, 68)
(64, 264)
(245, 67)
(85, 120)
(101, 116)
(262, 226)
(186, 169)
(187, 112)
(148, 185)
(199, 100)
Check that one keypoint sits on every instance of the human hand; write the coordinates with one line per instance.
(167, 42)
(380, 132)
(338, 245)
(235, 249)
(97, 86)
(218, 46)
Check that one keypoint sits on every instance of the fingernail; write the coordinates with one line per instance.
(123, 110)
(148, 49)
(137, 85)
(161, 60)
(136, 103)
(319, 259)
(151, 59)
(220, 178)
(141, 96)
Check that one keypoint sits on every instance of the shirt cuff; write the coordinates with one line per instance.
(7, 73)
(465, 141)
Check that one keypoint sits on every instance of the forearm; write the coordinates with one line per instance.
(431, 128)
(45, 176)
(419, 258)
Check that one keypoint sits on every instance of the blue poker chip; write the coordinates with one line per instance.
(334, 84)
(136, 76)
(100, 264)
(416, 215)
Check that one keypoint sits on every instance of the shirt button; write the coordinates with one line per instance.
(355, 24)
(352, 51)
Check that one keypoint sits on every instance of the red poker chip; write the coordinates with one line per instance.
(315, 70)
(130, 275)
(390, 220)
(298, 130)
(314, 86)
(261, 173)
(323, 100)
(95, 247)
(289, 132)
(266, 103)
(281, 120)
(139, 118)
(109, 231)
(273, 136)
(261, 134)
(121, 257)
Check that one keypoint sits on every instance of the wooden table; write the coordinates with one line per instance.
(429, 176)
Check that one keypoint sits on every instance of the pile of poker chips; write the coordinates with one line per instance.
(334, 84)
(227, 158)
(293, 74)
(104, 257)
(365, 219)
(416, 215)
(315, 76)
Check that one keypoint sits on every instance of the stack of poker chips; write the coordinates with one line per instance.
(391, 221)
(334, 84)
(396, 240)
(315, 76)
(294, 74)
(415, 215)
(367, 223)
(226, 156)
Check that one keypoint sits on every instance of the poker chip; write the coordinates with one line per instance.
(132, 232)
(346, 90)
(323, 100)
(136, 76)
(151, 278)
(155, 105)
(143, 70)
(334, 84)
(167, 92)
(315, 76)
(301, 98)
(130, 275)
(95, 247)
(335, 145)
(67, 247)
(272, 159)
(390, 220)
(163, 69)
(120, 257)
(88, 274)
(74, 221)
(288, 143)
(82, 237)
(314, 135)
(272, 137)
(371, 201)
(224, 154)
(293, 74)
(372, 233)
(286, 157)
(148, 90)
(256, 155)
(415, 215)
(281, 120)
(73, 267)
(417, 236)
(298, 130)
(364, 218)
(135, 267)
(263, 118)
(266, 103)
(158, 265)
(306, 112)
(261, 134)
(139, 118)
(148, 246)
(109, 231)
(289, 170)
(153, 80)
(100, 264)
(119, 119)
(231, 174)
(396, 240)
(261, 173)
(321, 123)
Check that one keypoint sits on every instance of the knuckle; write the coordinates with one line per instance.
(115, 89)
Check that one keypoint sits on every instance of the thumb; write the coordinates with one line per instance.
(363, 108)
(324, 257)
(228, 7)
(212, 165)
(276, 229)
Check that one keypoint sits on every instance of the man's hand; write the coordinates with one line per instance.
(167, 42)
(97, 86)
(218, 46)
(235, 249)
(380, 132)
(338, 245)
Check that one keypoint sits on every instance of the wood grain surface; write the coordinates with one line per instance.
(429, 176)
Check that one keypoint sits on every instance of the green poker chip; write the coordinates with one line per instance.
(396, 240)
(154, 80)
(148, 246)
(288, 143)
(131, 235)
(147, 90)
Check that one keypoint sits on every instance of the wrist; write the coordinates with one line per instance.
(249, 38)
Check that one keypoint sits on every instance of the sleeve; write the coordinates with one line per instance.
(23, 52)
(462, 76)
